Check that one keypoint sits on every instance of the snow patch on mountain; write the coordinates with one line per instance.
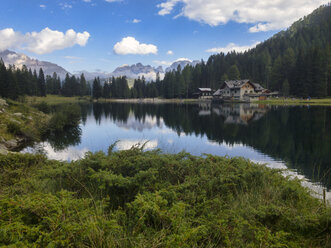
(19, 59)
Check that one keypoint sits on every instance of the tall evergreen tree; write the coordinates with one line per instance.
(234, 73)
(41, 83)
(97, 89)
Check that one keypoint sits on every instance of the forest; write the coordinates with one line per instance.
(296, 62)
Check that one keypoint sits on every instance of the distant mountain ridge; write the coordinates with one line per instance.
(130, 71)
(19, 59)
(182, 63)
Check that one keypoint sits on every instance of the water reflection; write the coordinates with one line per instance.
(298, 137)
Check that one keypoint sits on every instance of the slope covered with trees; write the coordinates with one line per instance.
(296, 61)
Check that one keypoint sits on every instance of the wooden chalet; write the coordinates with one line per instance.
(242, 90)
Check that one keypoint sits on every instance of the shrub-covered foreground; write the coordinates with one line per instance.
(148, 199)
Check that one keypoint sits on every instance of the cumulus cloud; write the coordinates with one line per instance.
(231, 47)
(128, 144)
(264, 15)
(43, 6)
(45, 41)
(9, 38)
(49, 40)
(65, 6)
(136, 21)
(130, 45)
(182, 59)
(162, 62)
(170, 52)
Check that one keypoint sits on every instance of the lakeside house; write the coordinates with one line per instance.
(242, 90)
(203, 93)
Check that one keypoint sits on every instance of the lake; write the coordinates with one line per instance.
(298, 138)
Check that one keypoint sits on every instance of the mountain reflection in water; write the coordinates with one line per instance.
(298, 137)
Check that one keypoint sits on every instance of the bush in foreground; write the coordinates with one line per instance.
(148, 199)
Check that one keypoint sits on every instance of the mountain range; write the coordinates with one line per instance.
(130, 71)
(182, 63)
(19, 59)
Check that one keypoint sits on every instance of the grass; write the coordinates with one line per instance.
(295, 101)
(149, 199)
(20, 120)
(55, 99)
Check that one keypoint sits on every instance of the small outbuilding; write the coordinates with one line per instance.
(203, 93)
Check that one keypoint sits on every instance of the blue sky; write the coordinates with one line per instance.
(105, 34)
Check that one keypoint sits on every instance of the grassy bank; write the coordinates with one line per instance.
(295, 101)
(55, 99)
(22, 123)
(19, 123)
(147, 199)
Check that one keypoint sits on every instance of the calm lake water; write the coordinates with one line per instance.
(298, 138)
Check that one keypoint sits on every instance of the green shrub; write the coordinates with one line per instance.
(67, 116)
(14, 128)
(43, 107)
(149, 199)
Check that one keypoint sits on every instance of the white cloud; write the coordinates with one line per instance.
(45, 41)
(9, 38)
(231, 47)
(65, 6)
(43, 6)
(162, 62)
(182, 59)
(167, 7)
(136, 21)
(87, 1)
(128, 144)
(170, 52)
(130, 45)
(264, 15)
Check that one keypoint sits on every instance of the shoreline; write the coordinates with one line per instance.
(55, 99)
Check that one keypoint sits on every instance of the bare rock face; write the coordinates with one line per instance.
(19, 59)
(3, 103)
(11, 144)
(3, 149)
(18, 114)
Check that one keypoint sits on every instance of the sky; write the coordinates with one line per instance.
(100, 35)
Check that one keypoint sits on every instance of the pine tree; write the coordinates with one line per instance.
(41, 83)
(97, 89)
(234, 73)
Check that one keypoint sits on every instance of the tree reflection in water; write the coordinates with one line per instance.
(300, 136)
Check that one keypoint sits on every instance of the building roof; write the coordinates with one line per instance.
(257, 87)
(205, 89)
(218, 93)
(236, 84)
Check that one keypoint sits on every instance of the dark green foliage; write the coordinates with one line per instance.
(14, 128)
(301, 55)
(67, 116)
(43, 107)
(145, 199)
(41, 83)
(96, 88)
(234, 73)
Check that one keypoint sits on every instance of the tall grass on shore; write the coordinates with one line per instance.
(149, 199)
